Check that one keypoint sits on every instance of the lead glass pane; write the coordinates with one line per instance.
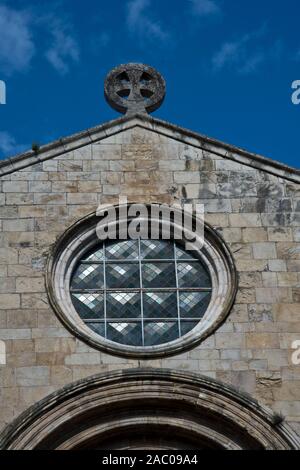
(98, 328)
(159, 275)
(160, 332)
(125, 333)
(160, 305)
(125, 249)
(97, 255)
(89, 306)
(140, 292)
(187, 326)
(122, 275)
(157, 249)
(185, 254)
(193, 304)
(123, 305)
(192, 275)
(88, 276)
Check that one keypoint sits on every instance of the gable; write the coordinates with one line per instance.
(137, 158)
(158, 131)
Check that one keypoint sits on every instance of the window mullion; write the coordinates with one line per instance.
(141, 291)
(104, 293)
(177, 291)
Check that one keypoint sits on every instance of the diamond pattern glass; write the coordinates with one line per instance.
(88, 276)
(123, 305)
(125, 333)
(89, 306)
(193, 304)
(159, 275)
(122, 275)
(182, 254)
(125, 249)
(97, 255)
(98, 328)
(188, 326)
(157, 249)
(141, 292)
(192, 275)
(160, 332)
(160, 305)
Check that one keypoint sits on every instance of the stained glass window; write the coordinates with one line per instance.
(141, 292)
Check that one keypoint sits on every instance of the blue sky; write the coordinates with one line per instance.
(229, 66)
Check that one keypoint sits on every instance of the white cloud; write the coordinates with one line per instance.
(228, 54)
(252, 64)
(139, 21)
(9, 146)
(22, 33)
(205, 7)
(64, 48)
(246, 54)
(16, 43)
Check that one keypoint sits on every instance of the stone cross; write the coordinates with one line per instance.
(134, 88)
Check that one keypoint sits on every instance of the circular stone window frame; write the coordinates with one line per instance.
(81, 238)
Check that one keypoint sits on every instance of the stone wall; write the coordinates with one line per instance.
(257, 213)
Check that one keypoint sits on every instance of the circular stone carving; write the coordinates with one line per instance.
(134, 88)
(82, 237)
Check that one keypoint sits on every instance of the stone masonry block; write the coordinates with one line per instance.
(32, 376)
(13, 187)
(262, 340)
(264, 251)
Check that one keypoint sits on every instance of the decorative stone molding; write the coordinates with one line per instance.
(114, 411)
(81, 237)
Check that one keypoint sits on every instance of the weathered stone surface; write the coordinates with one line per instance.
(277, 265)
(260, 313)
(32, 376)
(264, 251)
(20, 225)
(245, 220)
(269, 279)
(12, 187)
(256, 213)
(230, 341)
(8, 301)
(27, 284)
(262, 341)
(254, 235)
(250, 279)
(273, 295)
(288, 250)
(279, 234)
(286, 312)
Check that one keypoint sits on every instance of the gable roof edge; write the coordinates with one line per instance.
(65, 144)
(227, 151)
(173, 131)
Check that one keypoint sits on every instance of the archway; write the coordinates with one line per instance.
(148, 409)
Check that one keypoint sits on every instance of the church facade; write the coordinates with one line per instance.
(112, 345)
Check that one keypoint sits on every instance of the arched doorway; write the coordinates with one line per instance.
(148, 409)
